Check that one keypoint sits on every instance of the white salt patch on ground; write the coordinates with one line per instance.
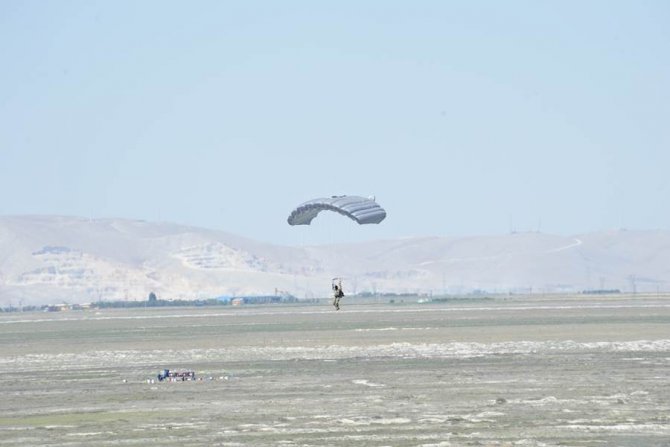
(366, 382)
(488, 414)
(84, 434)
(106, 359)
(658, 429)
(369, 421)
(389, 421)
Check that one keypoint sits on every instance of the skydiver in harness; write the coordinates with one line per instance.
(337, 292)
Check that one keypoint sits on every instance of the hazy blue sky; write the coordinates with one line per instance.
(463, 118)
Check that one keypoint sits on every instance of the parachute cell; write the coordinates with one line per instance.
(362, 210)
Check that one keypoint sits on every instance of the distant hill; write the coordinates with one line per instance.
(48, 259)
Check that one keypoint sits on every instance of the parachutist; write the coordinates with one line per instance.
(337, 292)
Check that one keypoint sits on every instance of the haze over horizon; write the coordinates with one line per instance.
(326, 230)
(462, 118)
(49, 259)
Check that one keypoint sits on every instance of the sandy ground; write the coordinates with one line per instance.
(579, 371)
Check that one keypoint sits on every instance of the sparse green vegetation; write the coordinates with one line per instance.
(523, 369)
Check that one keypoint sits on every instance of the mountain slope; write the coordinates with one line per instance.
(53, 259)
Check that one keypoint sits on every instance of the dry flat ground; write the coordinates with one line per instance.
(582, 371)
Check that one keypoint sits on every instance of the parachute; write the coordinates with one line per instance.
(361, 209)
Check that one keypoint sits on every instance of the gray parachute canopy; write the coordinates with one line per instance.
(362, 210)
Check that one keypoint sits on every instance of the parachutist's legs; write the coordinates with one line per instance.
(336, 303)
